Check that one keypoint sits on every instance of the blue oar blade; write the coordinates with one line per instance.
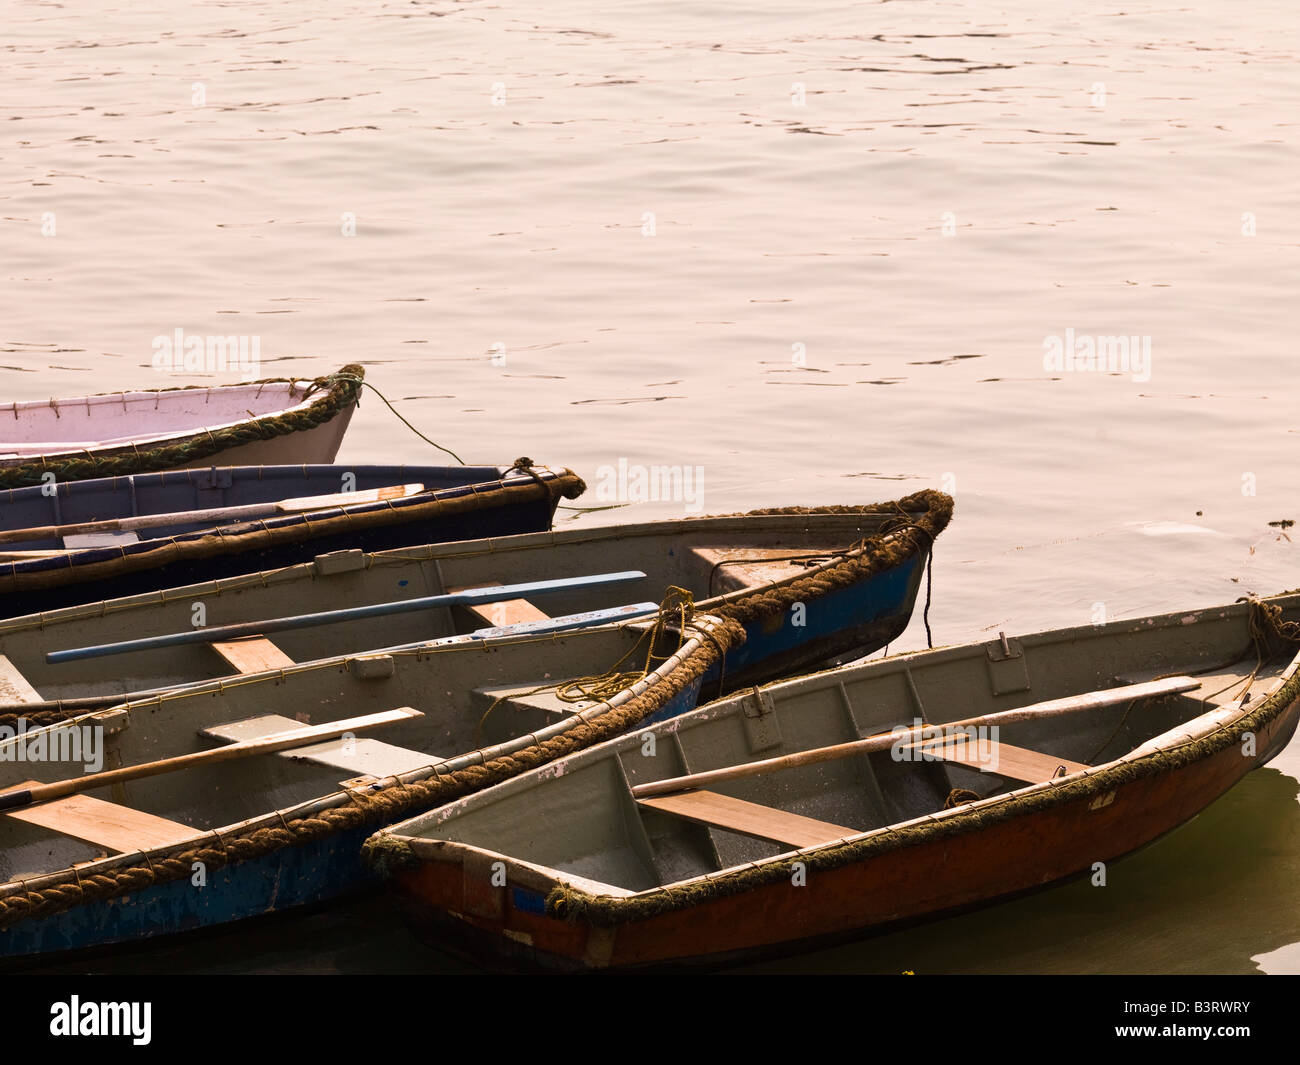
(468, 597)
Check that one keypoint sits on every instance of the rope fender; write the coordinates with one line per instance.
(871, 556)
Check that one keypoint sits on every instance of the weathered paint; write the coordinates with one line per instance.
(295, 876)
(860, 618)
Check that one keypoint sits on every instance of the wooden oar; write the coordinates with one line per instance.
(884, 740)
(280, 741)
(296, 505)
(331, 617)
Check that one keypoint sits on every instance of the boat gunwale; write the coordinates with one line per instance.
(442, 552)
(66, 562)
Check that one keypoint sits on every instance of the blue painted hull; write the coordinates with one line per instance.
(857, 620)
(45, 586)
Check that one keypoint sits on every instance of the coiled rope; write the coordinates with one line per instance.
(676, 611)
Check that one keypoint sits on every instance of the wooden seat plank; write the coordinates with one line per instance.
(105, 824)
(734, 568)
(998, 759)
(252, 654)
(89, 541)
(509, 612)
(365, 757)
(528, 696)
(360, 756)
(748, 818)
(506, 612)
(13, 685)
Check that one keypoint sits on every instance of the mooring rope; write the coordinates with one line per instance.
(608, 684)
(402, 419)
(1264, 620)
(678, 604)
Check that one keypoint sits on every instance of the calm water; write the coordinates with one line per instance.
(817, 252)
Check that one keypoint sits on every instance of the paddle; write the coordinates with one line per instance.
(330, 617)
(296, 505)
(884, 740)
(280, 741)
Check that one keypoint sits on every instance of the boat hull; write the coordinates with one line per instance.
(856, 620)
(311, 447)
(926, 881)
(272, 422)
(770, 821)
(490, 508)
(839, 618)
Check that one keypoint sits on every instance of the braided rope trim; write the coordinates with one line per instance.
(882, 551)
(394, 800)
(879, 553)
(288, 529)
(338, 391)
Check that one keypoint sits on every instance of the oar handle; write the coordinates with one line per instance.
(280, 741)
(883, 741)
(294, 504)
(13, 800)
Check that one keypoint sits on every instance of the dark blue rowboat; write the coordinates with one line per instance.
(59, 565)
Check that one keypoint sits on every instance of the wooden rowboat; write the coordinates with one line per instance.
(244, 798)
(816, 809)
(856, 572)
(271, 422)
(180, 527)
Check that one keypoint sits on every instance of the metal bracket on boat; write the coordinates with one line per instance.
(1008, 671)
(340, 561)
(372, 667)
(762, 728)
(113, 721)
(215, 477)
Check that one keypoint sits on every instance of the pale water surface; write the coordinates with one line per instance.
(815, 250)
